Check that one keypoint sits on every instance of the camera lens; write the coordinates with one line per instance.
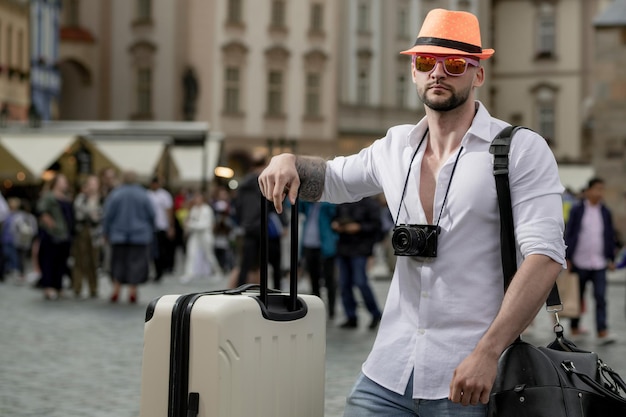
(408, 241)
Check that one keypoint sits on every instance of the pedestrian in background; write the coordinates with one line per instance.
(223, 229)
(18, 231)
(4, 213)
(319, 247)
(165, 230)
(88, 239)
(358, 226)
(109, 179)
(129, 227)
(590, 240)
(248, 213)
(447, 319)
(200, 261)
(56, 221)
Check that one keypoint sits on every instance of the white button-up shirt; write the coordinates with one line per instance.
(438, 308)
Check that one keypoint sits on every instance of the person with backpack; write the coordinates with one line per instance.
(18, 232)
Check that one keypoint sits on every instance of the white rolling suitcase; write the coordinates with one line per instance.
(236, 353)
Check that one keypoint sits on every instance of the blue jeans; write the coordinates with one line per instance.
(352, 272)
(369, 399)
(12, 258)
(598, 278)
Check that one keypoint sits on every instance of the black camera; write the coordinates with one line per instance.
(415, 240)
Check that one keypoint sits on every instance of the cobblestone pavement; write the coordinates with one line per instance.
(75, 358)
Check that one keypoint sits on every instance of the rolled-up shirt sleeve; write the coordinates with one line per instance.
(536, 194)
(350, 178)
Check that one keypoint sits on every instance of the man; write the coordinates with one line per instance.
(248, 213)
(358, 226)
(590, 239)
(446, 320)
(319, 248)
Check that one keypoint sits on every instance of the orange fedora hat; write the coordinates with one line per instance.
(450, 33)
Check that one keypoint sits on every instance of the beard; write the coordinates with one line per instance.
(456, 99)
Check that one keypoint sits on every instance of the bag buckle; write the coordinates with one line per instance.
(568, 366)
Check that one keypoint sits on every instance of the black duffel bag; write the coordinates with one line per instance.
(555, 381)
(559, 380)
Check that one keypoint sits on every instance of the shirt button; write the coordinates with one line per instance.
(425, 294)
(421, 331)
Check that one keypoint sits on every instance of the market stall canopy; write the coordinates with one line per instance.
(137, 154)
(194, 163)
(37, 152)
(83, 147)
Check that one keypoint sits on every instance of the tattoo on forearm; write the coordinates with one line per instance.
(312, 172)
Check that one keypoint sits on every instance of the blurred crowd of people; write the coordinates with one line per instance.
(111, 225)
(133, 233)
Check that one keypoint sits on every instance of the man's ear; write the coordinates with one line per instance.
(413, 73)
(479, 77)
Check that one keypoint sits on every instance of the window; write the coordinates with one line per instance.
(403, 23)
(401, 91)
(545, 113)
(278, 13)
(545, 97)
(313, 92)
(231, 92)
(363, 88)
(144, 91)
(144, 10)
(234, 11)
(317, 17)
(546, 31)
(363, 17)
(275, 93)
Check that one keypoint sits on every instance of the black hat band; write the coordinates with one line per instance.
(446, 43)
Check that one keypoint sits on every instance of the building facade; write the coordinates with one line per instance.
(83, 51)
(315, 76)
(14, 60)
(543, 75)
(609, 107)
(45, 82)
(375, 86)
(268, 75)
(263, 73)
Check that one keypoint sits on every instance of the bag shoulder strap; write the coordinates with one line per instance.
(500, 147)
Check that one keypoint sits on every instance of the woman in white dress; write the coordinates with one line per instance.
(201, 260)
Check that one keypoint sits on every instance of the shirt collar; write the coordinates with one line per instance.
(480, 128)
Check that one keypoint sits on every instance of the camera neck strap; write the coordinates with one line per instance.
(406, 181)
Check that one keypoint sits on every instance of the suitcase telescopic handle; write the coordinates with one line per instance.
(293, 303)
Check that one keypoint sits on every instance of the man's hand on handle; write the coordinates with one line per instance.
(280, 179)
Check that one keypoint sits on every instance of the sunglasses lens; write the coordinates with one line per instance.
(452, 65)
(425, 63)
(455, 66)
